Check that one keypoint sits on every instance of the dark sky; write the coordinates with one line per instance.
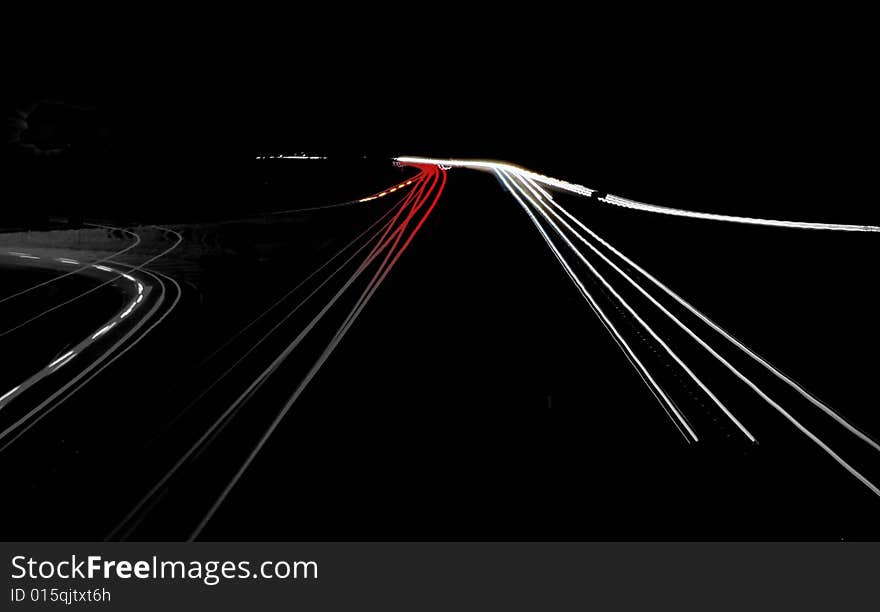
(752, 107)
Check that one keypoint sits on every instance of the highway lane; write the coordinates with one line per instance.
(135, 289)
(475, 397)
(30, 257)
(128, 340)
(387, 243)
(543, 203)
(123, 411)
(139, 294)
(524, 186)
(506, 168)
(793, 479)
(726, 475)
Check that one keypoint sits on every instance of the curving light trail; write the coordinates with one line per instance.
(678, 419)
(395, 241)
(579, 251)
(56, 364)
(539, 203)
(379, 246)
(491, 166)
(544, 211)
(128, 341)
(96, 288)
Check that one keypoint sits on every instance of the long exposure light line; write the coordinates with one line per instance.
(626, 203)
(537, 207)
(437, 179)
(669, 405)
(822, 406)
(799, 426)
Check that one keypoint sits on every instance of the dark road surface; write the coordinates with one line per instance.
(476, 397)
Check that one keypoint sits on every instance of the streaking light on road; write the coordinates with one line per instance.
(625, 203)
(541, 206)
(68, 261)
(22, 255)
(127, 277)
(677, 212)
(62, 360)
(672, 410)
(290, 157)
(9, 394)
(104, 268)
(491, 166)
(103, 330)
(388, 191)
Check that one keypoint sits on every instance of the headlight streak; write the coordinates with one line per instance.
(296, 308)
(8, 394)
(123, 530)
(623, 202)
(391, 235)
(525, 187)
(61, 360)
(768, 366)
(429, 190)
(676, 416)
(49, 405)
(96, 288)
(799, 426)
(391, 239)
(677, 212)
(55, 365)
(103, 330)
(538, 208)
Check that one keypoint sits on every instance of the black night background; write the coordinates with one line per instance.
(477, 396)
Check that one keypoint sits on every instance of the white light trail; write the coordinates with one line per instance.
(22, 255)
(537, 206)
(231, 410)
(68, 261)
(623, 202)
(36, 414)
(491, 166)
(671, 409)
(103, 330)
(799, 426)
(9, 394)
(137, 240)
(677, 212)
(83, 344)
(823, 407)
(62, 360)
